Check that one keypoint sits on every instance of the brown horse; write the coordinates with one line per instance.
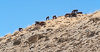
(73, 14)
(54, 17)
(67, 15)
(40, 23)
(20, 29)
(36, 22)
(74, 11)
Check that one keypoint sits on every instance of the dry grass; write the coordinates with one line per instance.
(0, 39)
(95, 19)
(61, 40)
(16, 42)
(85, 27)
(8, 40)
(90, 33)
(35, 28)
(49, 29)
(35, 38)
(15, 33)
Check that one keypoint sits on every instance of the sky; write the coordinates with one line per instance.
(22, 13)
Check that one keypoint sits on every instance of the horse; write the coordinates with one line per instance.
(36, 22)
(67, 15)
(42, 23)
(74, 11)
(73, 14)
(54, 17)
(47, 17)
(20, 29)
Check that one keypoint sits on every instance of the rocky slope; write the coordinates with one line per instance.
(76, 34)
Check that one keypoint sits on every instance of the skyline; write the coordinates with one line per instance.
(21, 13)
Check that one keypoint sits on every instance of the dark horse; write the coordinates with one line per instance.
(73, 14)
(67, 15)
(54, 17)
(40, 23)
(47, 18)
(20, 29)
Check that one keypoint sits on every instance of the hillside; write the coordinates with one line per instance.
(74, 34)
